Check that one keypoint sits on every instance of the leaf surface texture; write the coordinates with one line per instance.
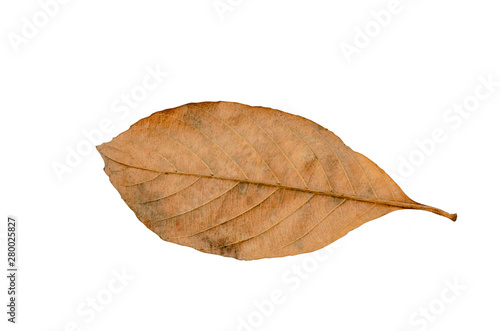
(247, 182)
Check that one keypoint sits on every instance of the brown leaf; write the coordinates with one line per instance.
(247, 182)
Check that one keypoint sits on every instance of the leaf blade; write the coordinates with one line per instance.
(247, 182)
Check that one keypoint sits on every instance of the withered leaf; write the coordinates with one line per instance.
(247, 182)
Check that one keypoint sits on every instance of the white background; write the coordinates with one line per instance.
(76, 233)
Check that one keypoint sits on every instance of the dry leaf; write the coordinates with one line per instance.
(247, 182)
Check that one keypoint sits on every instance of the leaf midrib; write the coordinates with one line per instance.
(399, 204)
